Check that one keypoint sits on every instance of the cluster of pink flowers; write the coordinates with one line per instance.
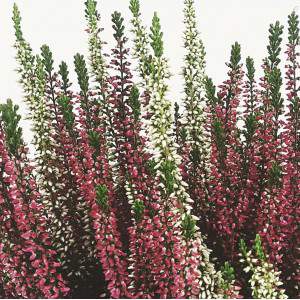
(29, 265)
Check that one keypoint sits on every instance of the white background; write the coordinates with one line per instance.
(61, 24)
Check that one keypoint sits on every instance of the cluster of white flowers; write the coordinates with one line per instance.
(265, 280)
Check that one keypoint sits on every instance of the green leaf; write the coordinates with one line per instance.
(156, 36)
(138, 210)
(134, 102)
(82, 73)
(188, 226)
(118, 26)
(64, 73)
(47, 58)
(102, 196)
(10, 120)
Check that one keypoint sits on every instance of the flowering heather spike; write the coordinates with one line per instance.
(76, 242)
(85, 163)
(33, 79)
(33, 83)
(140, 187)
(264, 280)
(228, 213)
(141, 41)
(90, 164)
(28, 265)
(120, 83)
(196, 152)
(249, 171)
(269, 149)
(160, 127)
(98, 66)
(96, 57)
(172, 186)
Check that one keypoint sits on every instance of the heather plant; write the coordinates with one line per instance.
(192, 130)
(225, 182)
(127, 187)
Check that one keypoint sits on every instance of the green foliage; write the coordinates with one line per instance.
(275, 175)
(220, 135)
(10, 120)
(65, 106)
(250, 120)
(90, 9)
(82, 73)
(235, 57)
(17, 22)
(47, 58)
(94, 139)
(228, 272)
(167, 170)
(250, 69)
(176, 111)
(275, 40)
(258, 248)
(273, 73)
(151, 164)
(134, 102)
(135, 7)
(138, 210)
(183, 134)
(251, 125)
(64, 73)
(188, 226)
(118, 26)
(210, 90)
(243, 247)
(102, 197)
(228, 277)
(293, 29)
(156, 36)
(275, 82)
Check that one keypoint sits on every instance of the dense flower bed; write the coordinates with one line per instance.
(131, 195)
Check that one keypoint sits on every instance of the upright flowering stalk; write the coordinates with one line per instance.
(195, 265)
(151, 270)
(195, 153)
(33, 79)
(249, 171)
(121, 121)
(264, 281)
(289, 196)
(28, 263)
(270, 149)
(90, 165)
(33, 83)
(97, 59)
(100, 75)
(225, 185)
(141, 41)
(142, 53)
(75, 236)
